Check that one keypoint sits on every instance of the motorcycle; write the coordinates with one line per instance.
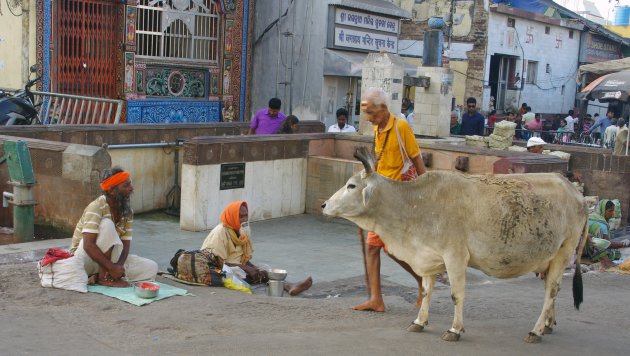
(19, 108)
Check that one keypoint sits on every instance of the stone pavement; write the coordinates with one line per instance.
(326, 249)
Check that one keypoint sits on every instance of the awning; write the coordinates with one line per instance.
(350, 64)
(382, 7)
(605, 67)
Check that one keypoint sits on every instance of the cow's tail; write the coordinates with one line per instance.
(578, 290)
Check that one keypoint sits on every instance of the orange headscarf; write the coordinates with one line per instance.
(114, 180)
(230, 217)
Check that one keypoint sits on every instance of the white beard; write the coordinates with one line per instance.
(245, 230)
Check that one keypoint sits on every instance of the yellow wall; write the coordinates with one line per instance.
(459, 69)
(623, 31)
(12, 53)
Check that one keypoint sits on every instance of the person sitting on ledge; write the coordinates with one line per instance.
(535, 145)
(231, 241)
(102, 237)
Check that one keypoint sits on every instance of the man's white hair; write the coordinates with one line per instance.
(376, 96)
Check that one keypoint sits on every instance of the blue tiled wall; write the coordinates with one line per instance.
(172, 111)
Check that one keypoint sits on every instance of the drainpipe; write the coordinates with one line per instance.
(25, 40)
(23, 180)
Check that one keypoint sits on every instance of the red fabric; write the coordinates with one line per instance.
(55, 254)
(374, 240)
(491, 120)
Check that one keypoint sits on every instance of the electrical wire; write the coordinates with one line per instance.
(272, 24)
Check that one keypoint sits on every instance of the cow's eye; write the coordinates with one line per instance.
(351, 186)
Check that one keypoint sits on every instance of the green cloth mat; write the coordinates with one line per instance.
(129, 296)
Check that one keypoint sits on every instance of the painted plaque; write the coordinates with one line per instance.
(129, 86)
(130, 26)
(229, 24)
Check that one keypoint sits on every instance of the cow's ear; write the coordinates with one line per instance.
(367, 194)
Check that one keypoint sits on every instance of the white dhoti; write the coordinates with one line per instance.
(136, 268)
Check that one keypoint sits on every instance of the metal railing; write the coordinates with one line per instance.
(563, 138)
(66, 109)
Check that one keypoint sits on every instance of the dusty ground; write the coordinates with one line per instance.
(498, 314)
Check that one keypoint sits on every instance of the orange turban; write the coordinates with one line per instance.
(230, 216)
(114, 180)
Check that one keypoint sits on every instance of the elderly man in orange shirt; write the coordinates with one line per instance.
(390, 133)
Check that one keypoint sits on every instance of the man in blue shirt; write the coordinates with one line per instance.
(603, 122)
(472, 121)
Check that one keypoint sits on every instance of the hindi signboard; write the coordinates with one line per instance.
(364, 20)
(232, 176)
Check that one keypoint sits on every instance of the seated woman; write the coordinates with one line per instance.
(599, 246)
(289, 125)
(231, 241)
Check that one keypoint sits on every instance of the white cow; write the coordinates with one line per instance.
(503, 225)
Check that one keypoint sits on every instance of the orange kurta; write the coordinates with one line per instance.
(391, 163)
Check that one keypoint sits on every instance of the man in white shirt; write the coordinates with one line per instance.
(407, 111)
(341, 125)
(571, 119)
(528, 117)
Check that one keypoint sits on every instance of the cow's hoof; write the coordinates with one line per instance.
(533, 338)
(450, 336)
(548, 330)
(415, 328)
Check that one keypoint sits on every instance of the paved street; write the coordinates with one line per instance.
(498, 314)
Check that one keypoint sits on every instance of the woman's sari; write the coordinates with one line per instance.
(598, 228)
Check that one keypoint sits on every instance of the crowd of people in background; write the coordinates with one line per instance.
(470, 120)
(594, 130)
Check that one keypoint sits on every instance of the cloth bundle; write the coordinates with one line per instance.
(59, 269)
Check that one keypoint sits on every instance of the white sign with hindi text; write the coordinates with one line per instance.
(345, 37)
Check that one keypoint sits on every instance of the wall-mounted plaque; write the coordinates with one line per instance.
(232, 176)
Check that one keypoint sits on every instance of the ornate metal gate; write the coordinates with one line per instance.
(86, 43)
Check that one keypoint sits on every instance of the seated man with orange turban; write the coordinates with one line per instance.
(230, 240)
(102, 237)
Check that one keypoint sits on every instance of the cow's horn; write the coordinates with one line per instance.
(364, 155)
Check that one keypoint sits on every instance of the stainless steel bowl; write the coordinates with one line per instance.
(146, 290)
(277, 274)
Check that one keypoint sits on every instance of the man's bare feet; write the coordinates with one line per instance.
(92, 279)
(301, 287)
(105, 279)
(119, 283)
(371, 305)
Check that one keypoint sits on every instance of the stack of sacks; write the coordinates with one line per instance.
(477, 141)
(591, 202)
(501, 137)
(565, 156)
(579, 186)
(517, 149)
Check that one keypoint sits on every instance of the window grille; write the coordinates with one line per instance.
(185, 30)
(532, 72)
